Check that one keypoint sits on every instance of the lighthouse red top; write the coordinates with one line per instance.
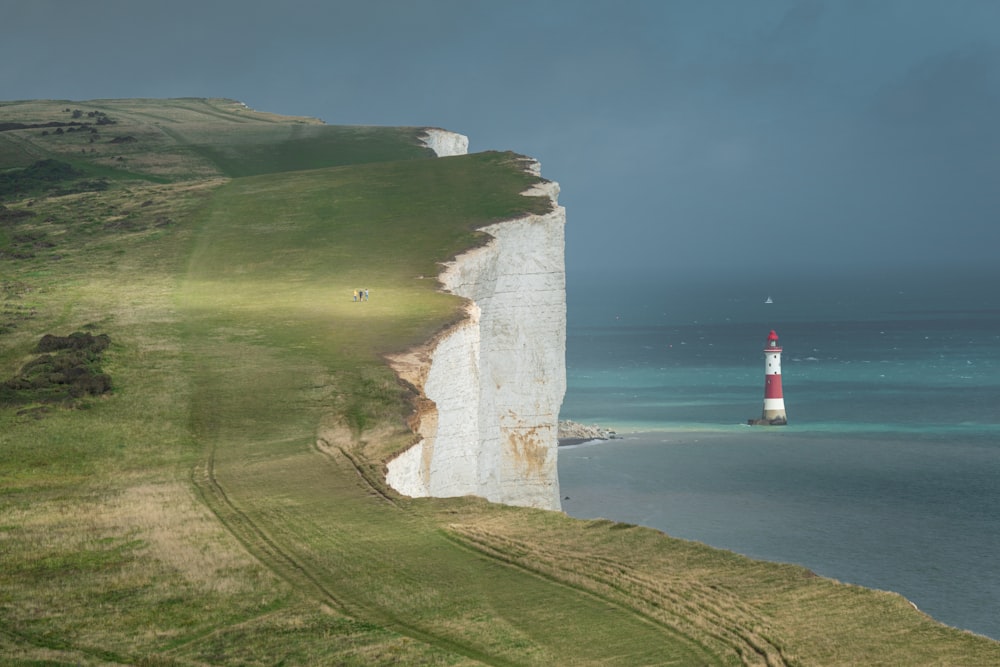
(772, 342)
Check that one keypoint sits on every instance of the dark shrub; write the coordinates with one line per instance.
(78, 340)
(65, 370)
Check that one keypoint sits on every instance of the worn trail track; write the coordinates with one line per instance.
(321, 545)
(286, 561)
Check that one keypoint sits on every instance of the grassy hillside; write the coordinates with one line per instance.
(224, 503)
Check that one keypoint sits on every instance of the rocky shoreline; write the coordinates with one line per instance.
(573, 433)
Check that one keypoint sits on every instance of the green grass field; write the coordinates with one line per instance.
(225, 503)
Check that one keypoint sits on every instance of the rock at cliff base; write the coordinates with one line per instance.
(573, 433)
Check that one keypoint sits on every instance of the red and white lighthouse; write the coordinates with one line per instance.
(774, 401)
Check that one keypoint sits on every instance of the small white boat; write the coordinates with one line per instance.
(769, 300)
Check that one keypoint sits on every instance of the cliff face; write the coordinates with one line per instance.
(492, 386)
(445, 143)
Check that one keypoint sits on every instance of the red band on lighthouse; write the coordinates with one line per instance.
(772, 387)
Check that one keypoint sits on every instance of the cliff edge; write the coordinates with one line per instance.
(491, 387)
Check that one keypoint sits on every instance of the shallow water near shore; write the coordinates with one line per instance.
(888, 474)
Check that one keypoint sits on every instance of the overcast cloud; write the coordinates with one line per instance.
(683, 133)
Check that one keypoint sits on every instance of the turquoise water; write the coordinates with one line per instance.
(888, 474)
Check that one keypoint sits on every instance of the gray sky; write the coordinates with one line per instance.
(691, 135)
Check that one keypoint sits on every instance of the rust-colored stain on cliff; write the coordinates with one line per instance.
(526, 449)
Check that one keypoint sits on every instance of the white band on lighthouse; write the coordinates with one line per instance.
(774, 404)
(772, 365)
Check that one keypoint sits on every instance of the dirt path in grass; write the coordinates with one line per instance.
(338, 537)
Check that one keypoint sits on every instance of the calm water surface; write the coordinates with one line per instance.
(888, 474)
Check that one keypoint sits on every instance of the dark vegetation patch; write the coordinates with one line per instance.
(7, 127)
(13, 215)
(65, 370)
(47, 176)
(41, 172)
(98, 117)
(95, 118)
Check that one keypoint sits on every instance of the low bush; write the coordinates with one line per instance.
(40, 176)
(66, 369)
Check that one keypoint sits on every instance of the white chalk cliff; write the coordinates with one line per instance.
(491, 387)
(445, 143)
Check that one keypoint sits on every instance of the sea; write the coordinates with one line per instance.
(887, 474)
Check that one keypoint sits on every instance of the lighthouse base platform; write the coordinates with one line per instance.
(774, 421)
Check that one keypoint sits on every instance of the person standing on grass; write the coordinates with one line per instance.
(355, 295)
(366, 294)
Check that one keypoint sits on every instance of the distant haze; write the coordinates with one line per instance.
(699, 135)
